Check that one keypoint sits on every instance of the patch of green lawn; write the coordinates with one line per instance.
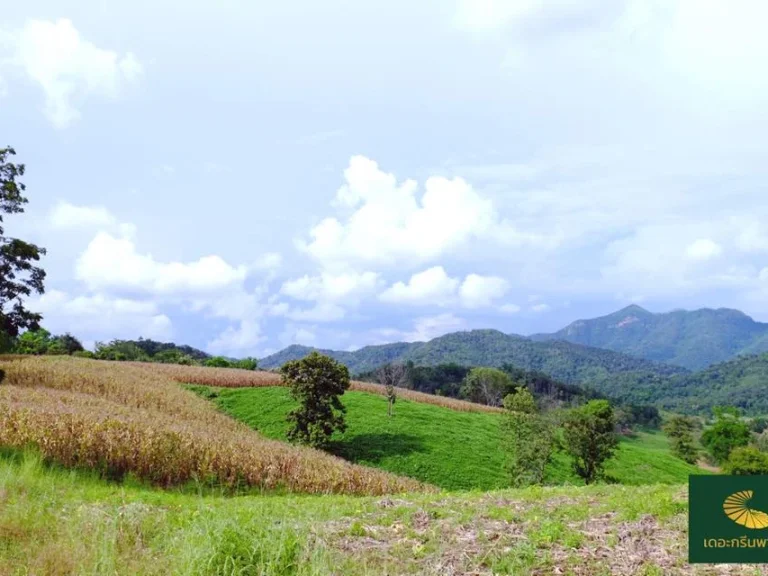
(451, 449)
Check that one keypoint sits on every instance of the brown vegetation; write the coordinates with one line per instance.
(123, 418)
(234, 378)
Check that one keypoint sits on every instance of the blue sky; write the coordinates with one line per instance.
(241, 176)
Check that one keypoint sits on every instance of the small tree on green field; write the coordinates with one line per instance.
(528, 437)
(316, 382)
(392, 377)
(727, 432)
(589, 438)
(486, 386)
(745, 461)
(679, 429)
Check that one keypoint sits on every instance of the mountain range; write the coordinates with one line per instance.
(687, 361)
(564, 361)
(691, 339)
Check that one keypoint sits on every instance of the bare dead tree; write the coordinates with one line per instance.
(392, 376)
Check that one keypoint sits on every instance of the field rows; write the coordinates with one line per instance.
(127, 419)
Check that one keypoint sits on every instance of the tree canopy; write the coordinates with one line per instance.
(20, 277)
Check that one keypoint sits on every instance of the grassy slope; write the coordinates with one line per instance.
(55, 521)
(454, 450)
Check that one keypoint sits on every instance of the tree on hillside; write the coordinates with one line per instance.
(589, 438)
(746, 461)
(19, 277)
(680, 429)
(316, 381)
(729, 431)
(392, 376)
(487, 386)
(529, 438)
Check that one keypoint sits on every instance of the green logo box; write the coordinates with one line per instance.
(728, 519)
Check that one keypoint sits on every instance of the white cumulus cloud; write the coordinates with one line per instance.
(432, 286)
(477, 291)
(114, 263)
(703, 249)
(67, 67)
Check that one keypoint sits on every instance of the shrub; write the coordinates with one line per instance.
(316, 381)
(590, 438)
(246, 364)
(746, 460)
(758, 424)
(83, 354)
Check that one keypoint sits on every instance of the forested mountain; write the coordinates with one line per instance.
(741, 382)
(564, 361)
(692, 339)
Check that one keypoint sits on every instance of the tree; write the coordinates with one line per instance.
(69, 343)
(758, 424)
(392, 376)
(529, 438)
(34, 342)
(316, 381)
(487, 386)
(680, 429)
(727, 432)
(218, 362)
(589, 438)
(246, 364)
(19, 277)
(746, 460)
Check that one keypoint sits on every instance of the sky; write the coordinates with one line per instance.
(243, 176)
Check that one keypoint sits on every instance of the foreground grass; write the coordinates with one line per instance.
(64, 522)
(450, 449)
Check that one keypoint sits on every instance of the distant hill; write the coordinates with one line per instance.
(741, 382)
(564, 361)
(691, 339)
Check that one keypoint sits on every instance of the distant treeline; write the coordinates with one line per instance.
(42, 342)
(448, 380)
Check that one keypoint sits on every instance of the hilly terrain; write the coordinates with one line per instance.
(691, 339)
(741, 382)
(564, 361)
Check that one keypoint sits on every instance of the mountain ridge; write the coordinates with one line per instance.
(693, 339)
(568, 362)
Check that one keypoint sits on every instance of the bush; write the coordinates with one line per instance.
(746, 460)
(590, 438)
(247, 364)
(758, 424)
(316, 381)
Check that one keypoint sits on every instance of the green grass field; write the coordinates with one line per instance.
(60, 522)
(450, 449)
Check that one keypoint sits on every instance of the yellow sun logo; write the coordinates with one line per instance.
(735, 507)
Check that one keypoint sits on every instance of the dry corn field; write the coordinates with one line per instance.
(234, 378)
(123, 418)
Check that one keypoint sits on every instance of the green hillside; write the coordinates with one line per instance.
(453, 450)
(564, 361)
(692, 339)
(741, 382)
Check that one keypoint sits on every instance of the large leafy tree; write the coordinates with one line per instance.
(487, 386)
(316, 382)
(19, 275)
(728, 432)
(680, 429)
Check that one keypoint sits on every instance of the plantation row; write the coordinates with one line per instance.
(123, 418)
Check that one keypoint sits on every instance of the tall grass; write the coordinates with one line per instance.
(121, 418)
(233, 378)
